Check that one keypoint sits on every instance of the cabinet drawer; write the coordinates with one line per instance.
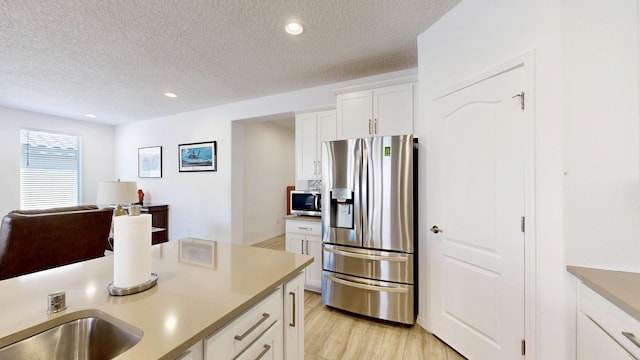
(304, 227)
(269, 346)
(242, 331)
(595, 344)
(619, 325)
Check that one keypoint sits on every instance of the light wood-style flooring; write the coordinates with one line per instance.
(332, 334)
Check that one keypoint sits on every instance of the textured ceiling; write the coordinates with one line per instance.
(116, 58)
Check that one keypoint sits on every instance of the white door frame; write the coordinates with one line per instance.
(530, 258)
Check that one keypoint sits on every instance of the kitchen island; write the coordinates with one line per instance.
(202, 286)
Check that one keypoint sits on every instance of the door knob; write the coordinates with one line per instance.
(435, 229)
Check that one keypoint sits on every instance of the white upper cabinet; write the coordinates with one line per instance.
(355, 114)
(311, 130)
(378, 112)
(306, 147)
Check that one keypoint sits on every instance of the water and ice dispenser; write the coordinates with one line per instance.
(341, 208)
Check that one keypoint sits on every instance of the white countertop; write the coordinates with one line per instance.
(202, 285)
(303, 218)
(619, 287)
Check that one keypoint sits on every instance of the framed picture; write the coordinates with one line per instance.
(150, 162)
(198, 252)
(197, 157)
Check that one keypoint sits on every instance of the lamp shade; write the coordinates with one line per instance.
(117, 192)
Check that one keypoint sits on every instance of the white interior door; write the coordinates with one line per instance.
(477, 167)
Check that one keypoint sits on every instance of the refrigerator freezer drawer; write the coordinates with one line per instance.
(371, 264)
(379, 299)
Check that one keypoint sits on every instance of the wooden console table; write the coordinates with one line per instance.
(159, 221)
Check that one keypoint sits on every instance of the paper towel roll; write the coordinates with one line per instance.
(132, 250)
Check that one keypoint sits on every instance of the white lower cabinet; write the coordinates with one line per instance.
(269, 346)
(595, 344)
(262, 332)
(304, 237)
(294, 318)
(313, 273)
(234, 338)
(604, 331)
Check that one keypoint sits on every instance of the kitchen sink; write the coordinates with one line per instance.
(88, 334)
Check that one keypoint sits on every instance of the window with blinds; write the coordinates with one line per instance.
(49, 170)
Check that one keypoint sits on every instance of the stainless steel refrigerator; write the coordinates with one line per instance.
(369, 228)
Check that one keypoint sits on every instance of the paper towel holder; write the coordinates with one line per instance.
(118, 291)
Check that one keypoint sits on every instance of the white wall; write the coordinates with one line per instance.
(269, 167)
(587, 133)
(199, 202)
(205, 205)
(602, 191)
(97, 152)
(237, 178)
(478, 35)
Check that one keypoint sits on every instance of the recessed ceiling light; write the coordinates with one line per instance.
(294, 28)
(170, 94)
(90, 116)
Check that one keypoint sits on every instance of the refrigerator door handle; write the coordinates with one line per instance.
(390, 289)
(367, 257)
(362, 197)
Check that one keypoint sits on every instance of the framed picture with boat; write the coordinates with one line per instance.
(197, 157)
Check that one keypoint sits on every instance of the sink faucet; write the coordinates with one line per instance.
(56, 302)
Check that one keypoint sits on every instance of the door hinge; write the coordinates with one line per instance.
(522, 224)
(523, 348)
(521, 96)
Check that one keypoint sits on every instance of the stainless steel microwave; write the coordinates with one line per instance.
(305, 203)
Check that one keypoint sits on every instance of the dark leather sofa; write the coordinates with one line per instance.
(35, 240)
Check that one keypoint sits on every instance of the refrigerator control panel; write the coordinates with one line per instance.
(341, 194)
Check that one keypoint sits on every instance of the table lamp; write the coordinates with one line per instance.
(117, 193)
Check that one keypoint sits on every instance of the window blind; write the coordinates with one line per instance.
(49, 170)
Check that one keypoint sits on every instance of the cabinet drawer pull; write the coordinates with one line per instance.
(631, 338)
(375, 126)
(265, 316)
(266, 350)
(303, 228)
(370, 133)
(293, 313)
